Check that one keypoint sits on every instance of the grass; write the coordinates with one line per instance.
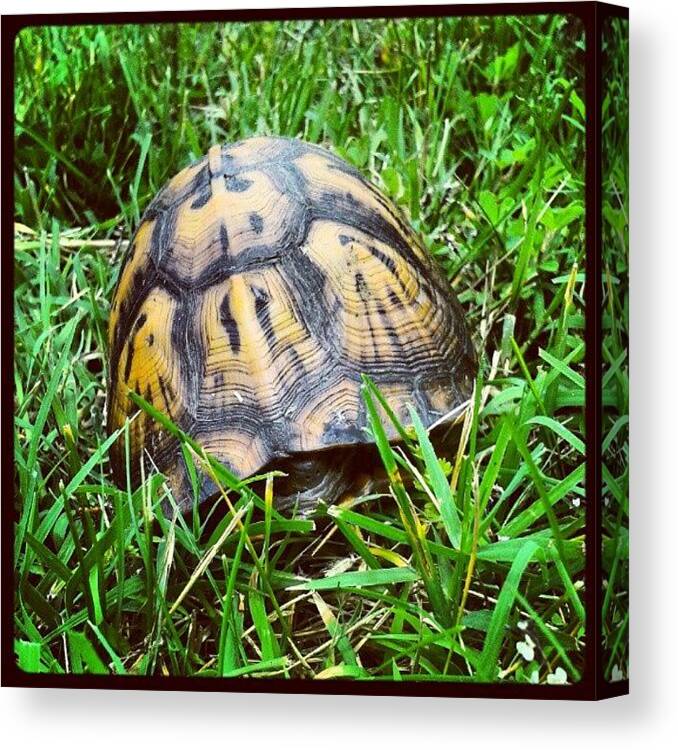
(470, 568)
(615, 517)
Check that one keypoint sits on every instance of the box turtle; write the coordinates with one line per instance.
(262, 281)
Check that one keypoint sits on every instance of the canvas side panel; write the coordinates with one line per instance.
(615, 348)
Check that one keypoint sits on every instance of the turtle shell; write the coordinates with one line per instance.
(262, 281)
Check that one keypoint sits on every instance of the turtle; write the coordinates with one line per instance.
(262, 283)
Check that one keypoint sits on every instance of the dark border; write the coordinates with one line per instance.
(592, 686)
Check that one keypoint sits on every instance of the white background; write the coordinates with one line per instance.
(103, 719)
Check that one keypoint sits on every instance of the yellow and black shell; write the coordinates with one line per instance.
(262, 281)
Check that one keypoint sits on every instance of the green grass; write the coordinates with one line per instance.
(615, 516)
(471, 567)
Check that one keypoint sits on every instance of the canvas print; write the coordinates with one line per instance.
(301, 355)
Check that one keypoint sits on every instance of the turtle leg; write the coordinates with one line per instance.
(324, 476)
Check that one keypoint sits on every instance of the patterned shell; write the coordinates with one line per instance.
(262, 281)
